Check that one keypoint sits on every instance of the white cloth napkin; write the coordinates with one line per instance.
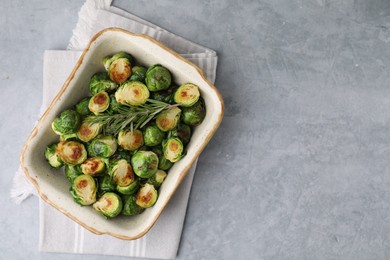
(57, 232)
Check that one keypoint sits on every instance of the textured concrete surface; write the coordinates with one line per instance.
(300, 167)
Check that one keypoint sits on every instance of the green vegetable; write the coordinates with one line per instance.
(130, 140)
(173, 149)
(88, 131)
(68, 122)
(195, 114)
(82, 107)
(84, 190)
(163, 163)
(146, 196)
(187, 95)
(72, 152)
(130, 207)
(157, 179)
(165, 95)
(53, 157)
(106, 183)
(72, 171)
(182, 131)
(101, 82)
(93, 166)
(138, 73)
(129, 189)
(168, 119)
(158, 78)
(145, 163)
(110, 205)
(99, 103)
(153, 135)
(121, 172)
(132, 93)
(118, 66)
(103, 146)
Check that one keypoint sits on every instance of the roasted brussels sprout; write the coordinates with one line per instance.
(101, 82)
(118, 66)
(182, 131)
(93, 166)
(153, 135)
(163, 163)
(195, 114)
(82, 107)
(68, 137)
(72, 171)
(122, 154)
(52, 156)
(187, 95)
(99, 103)
(130, 140)
(168, 119)
(88, 131)
(146, 196)
(145, 163)
(173, 149)
(84, 190)
(129, 189)
(158, 78)
(68, 122)
(132, 93)
(114, 106)
(138, 73)
(130, 207)
(102, 146)
(106, 183)
(166, 95)
(121, 172)
(157, 179)
(72, 152)
(109, 204)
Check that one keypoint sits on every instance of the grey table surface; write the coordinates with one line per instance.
(299, 168)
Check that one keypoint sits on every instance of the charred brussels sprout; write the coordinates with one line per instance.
(153, 135)
(110, 205)
(146, 196)
(132, 93)
(99, 103)
(122, 173)
(118, 66)
(68, 122)
(138, 73)
(101, 82)
(53, 157)
(163, 163)
(106, 183)
(187, 95)
(84, 190)
(157, 179)
(130, 207)
(168, 119)
(145, 163)
(93, 166)
(72, 171)
(165, 96)
(195, 114)
(158, 78)
(102, 146)
(82, 107)
(173, 149)
(72, 152)
(122, 154)
(182, 131)
(88, 131)
(130, 140)
(129, 189)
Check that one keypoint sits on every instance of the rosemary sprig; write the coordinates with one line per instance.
(134, 116)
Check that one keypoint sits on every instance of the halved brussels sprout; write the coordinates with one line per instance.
(101, 82)
(68, 137)
(173, 149)
(129, 189)
(109, 204)
(122, 172)
(187, 95)
(53, 157)
(153, 135)
(106, 183)
(163, 163)
(99, 103)
(182, 131)
(132, 93)
(88, 131)
(72, 171)
(145, 163)
(168, 119)
(84, 190)
(130, 140)
(166, 95)
(72, 152)
(146, 196)
(82, 107)
(138, 73)
(195, 114)
(158, 78)
(102, 146)
(93, 166)
(118, 66)
(130, 207)
(68, 122)
(157, 179)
